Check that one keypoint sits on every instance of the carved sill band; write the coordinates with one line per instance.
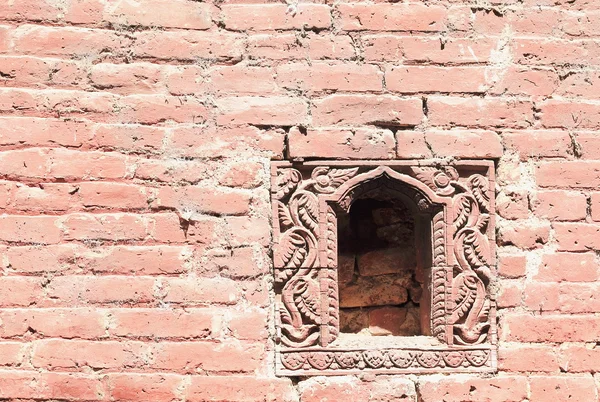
(325, 361)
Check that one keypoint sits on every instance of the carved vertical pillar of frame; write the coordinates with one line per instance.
(459, 201)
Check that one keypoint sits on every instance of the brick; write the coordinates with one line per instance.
(29, 229)
(382, 291)
(17, 384)
(579, 359)
(113, 195)
(204, 200)
(256, 293)
(164, 323)
(84, 12)
(510, 295)
(525, 358)
(172, 170)
(570, 114)
(568, 174)
(129, 138)
(25, 164)
(136, 78)
(491, 112)
(27, 131)
(160, 13)
(578, 298)
(10, 353)
(169, 228)
(589, 144)
(59, 103)
(339, 143)
(461, 388)
(241, 389)
(392, 17)
(581, 24)
(529, 21)
(559, 205)
(464, 144)
(47, 197)
(319, 77)
(240, 262)
(18, 291)
(135, 387)
(330, 389)
(367, 109)
(582, 388)
(30, 10)
(242, 231)
(241, 79)
(155, 109)
(411, 145)
(523, 81)
(322, 47)
(187, 80)
(61, 323)
(202, 142)
(65, 386)
(282, 111)
(74, 165)
(393, 388)
(428, 50)
(81, 290)
(131, 260)
(577, 236)
(187, 45)
(538, 143)
(571, 267)
(58, 354)
(555, 52)
(512, 266)
(194, 290)
(208, 356)
(249, 325)
(579, 84)
(68, 42)
(244, 174)
(595, 206)
(37, 72)
(288, 47)
(512, 204)
(39, 259)
(542, 296)
(416, 79)
(524, 235)
(267, 17)
(522, 327)
(111, 227)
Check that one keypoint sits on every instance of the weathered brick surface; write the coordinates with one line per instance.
(135, 140)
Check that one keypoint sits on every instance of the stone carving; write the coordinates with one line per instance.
(470, 314)
(385, 360)
(458, 201)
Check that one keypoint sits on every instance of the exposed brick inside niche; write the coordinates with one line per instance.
(380, 290)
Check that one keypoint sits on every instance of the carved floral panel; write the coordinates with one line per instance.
(458, 198)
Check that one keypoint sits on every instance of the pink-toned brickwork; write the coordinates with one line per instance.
(137, 251)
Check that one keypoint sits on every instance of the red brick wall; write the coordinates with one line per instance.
(135, 139)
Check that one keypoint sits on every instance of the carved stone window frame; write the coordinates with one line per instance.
(459, 196)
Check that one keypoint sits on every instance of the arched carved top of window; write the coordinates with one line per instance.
(455, 206)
